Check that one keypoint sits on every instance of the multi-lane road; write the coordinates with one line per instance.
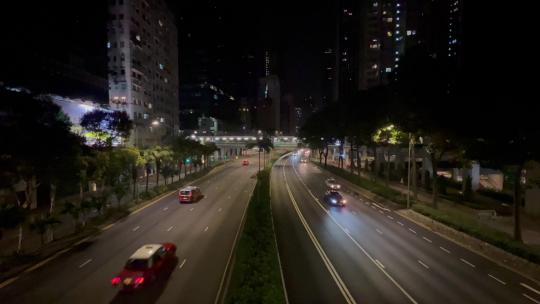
(204, 233)
(367, 253)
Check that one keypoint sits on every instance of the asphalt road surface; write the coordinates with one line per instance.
(204, 233)
(366, 253)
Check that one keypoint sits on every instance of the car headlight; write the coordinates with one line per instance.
(343, 201)
(333, 201)
(338, 186)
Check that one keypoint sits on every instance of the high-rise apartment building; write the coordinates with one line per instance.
(143, 67)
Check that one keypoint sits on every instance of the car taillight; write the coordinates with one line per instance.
(115, 280)
(139, 280)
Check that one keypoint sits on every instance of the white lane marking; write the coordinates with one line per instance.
(467, 262)
(427, 240)
(219, 210)
(379, 263)
(444, 249)
(82, 241)
(170, 228)
(356, 242)
(182, 264)
(346, 230)
(380, 211)
(423, 264)
(46, 261)
(530, 288)
(7, 282)
(85, 263)
(191, 209)
(400, 223)
(412, 231)
(496, 279)
(333, 272)
(367, 204)
(388, 216)
(530, 298)
(206, 229)
(166, 208)
(373, 207)
(380, 207)
(107, 227)
(136, 228)
(379, 231)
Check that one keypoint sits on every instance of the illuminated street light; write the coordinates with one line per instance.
(155, 123)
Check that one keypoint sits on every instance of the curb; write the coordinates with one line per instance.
(98, 229)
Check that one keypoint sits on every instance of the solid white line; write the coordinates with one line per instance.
(444, 249)
(427, 240)
(380, 232)
(219, 210)
(530, 298)
(182, 264)
(107, 227)
(170, 228)
(379, 262)
(422, 263)
(380, 207)
(496, 279)
(467, 262)
(400, 223)
(333, 272)
(206, 229)
(388, 216)
(360, 246)
(166, 208)
(46, 261)
(82, 241)
(136, 228)
(346, 230)
(223, 276)
(7, 282)
(530, 288)
(191, 209)
(412, 231)
(85, 263)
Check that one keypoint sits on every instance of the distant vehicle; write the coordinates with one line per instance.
(333, 184)
(334, 198)
(245, 162)
(145, 266)
(303, 160)
(189, 194)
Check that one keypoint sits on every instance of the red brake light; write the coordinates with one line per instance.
(139, 280)
(115, 280)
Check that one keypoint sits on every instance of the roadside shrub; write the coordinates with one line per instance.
(469, 226)
(148, 194)
(503, 197)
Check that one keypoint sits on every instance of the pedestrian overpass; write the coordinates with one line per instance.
(234, 145)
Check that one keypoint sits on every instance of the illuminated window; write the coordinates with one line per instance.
(389, 34)
(161, 66)
(108, 44)
(388, 70)
(138, 37)
(375, 4)
(409, 33)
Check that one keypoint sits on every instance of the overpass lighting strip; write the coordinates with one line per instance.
(339, 282)
(353, 239)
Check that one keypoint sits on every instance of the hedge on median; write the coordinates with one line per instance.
(256, 274)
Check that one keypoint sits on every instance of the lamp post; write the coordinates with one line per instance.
(409, 174)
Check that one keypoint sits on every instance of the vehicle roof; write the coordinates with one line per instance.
(145, 251)
(333, 192)
(188, 188)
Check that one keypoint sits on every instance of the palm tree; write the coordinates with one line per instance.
(158, 155)
(264, 144)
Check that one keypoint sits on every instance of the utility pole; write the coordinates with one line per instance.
(409, 174)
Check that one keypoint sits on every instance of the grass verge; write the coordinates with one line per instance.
(256, 275)
(471, 227)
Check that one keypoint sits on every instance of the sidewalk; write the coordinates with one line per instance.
(530, 227)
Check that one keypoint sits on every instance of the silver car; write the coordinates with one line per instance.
(332, 184)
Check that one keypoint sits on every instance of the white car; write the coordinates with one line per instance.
(333, 184)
